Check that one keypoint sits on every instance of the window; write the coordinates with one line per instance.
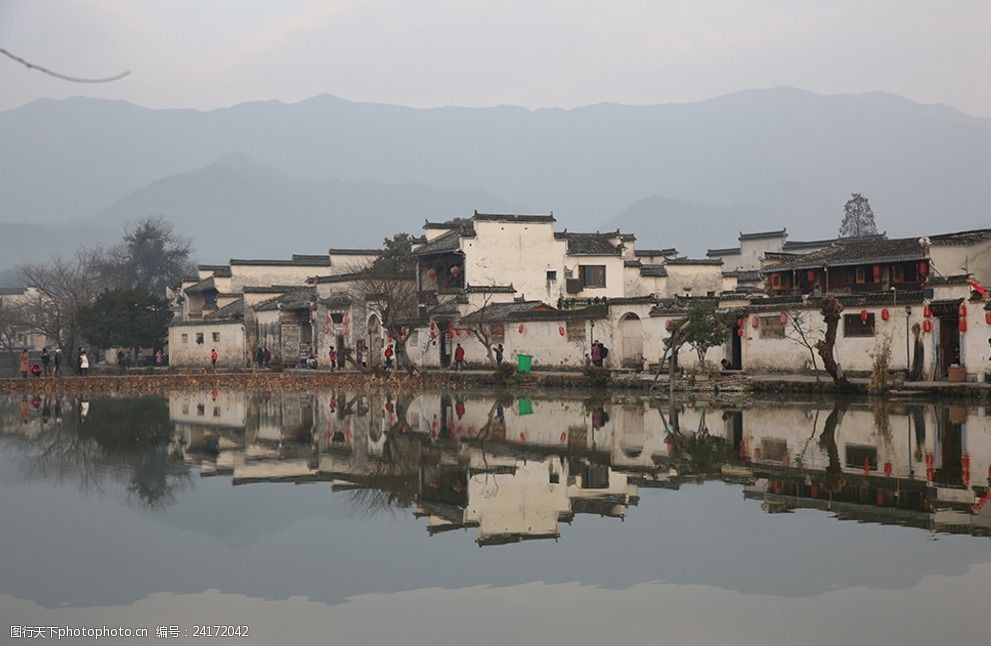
(216, 411)
(771, 327)
(854, 326)
(858, 454)
(551, 275)
(592, 276)
(199, 338)
(216, 337)
(897, 274)
(576, 331)
(200, 410)
(337, 317)
(861, 275)
(185, 338)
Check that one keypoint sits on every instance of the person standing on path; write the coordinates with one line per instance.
(46, 361)
(459, 358)
(24, 363)
(213, 358)
(83, 363)
(498, 354)
(58, 362)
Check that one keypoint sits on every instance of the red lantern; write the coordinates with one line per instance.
(963, 325)
(811, 276)
(522, 437)
(432, 326)
(885, 314)
(500, 330)
(519, 328)
(450, 325)
(667, 323)
(927, 311)
(927, 326)
(755, 322)
(987, 317)
(923, 268)
(877, 272)
(782, 318)
(739, 331)
(867, 466)
(564, 437)
(561, 330)
(432, 273)
(887, 469)
(863, 316)
(962, 309)
(455, 271)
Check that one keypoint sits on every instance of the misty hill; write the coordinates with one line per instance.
(659, 220)
(788, 155)
(237, 208)
(22, 243)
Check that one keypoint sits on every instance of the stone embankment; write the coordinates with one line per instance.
(161, 381)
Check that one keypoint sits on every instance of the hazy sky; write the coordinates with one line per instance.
(209, 53)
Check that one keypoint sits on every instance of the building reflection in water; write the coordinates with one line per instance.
(515, 468)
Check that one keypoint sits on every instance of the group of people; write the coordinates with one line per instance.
(51, 364)
(262, 357)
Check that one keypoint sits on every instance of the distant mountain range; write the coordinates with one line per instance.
(330, 172)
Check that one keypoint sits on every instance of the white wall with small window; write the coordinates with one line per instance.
(190, 344)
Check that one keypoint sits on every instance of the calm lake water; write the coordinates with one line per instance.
(345, 517)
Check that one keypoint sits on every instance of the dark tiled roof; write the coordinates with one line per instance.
(354, 252)
(231, 312)
(267, 289)
(504, 311)
(654, 271)
(444, 243)
(694, 261)
(656, 252)
(317, 258)
(220, 271)
(296, 261)
(759, 235)
(490, 289)
(336, 300)
(205, 285)
(296, 298)
(632, 263)
(589, 244)
(856, 251)
(507, 217)
(960, 238)
(798, 245)
(728, 251)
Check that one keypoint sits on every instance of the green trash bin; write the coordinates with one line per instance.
(523, 362)
(526, 406)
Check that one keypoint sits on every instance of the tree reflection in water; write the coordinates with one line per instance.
(514, 467)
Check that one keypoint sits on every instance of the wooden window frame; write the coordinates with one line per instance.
(854, 328)
(583, 274)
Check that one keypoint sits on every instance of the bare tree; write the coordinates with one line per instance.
(12, 327)
(831, 310)
(61, 289)
(802, 334)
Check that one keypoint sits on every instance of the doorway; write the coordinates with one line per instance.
(631, 333)
(735, 354)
